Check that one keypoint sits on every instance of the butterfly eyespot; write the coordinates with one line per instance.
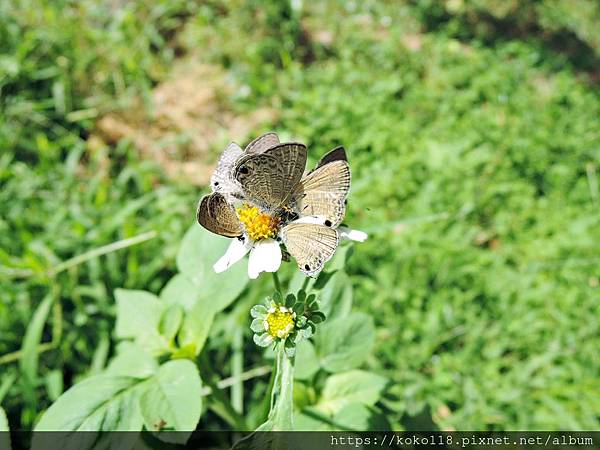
(244, 170)
(216, 183)
(306, 267)
(328, 223)
(345, 202)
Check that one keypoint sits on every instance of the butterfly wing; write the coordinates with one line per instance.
(269, 178)
(337, 154)
(311, 244)
(323, 192)
(218, 216)
(262, 143)
(221, 180)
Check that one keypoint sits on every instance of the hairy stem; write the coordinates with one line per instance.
(281, 415)
(284, 407)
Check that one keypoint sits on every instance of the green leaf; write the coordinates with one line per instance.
(170, 322)
(198, 252)
(4, 436)
(172, 401)
(7, 381)
(335, 299)
(355, 386)
(54, 384)
(100, 354)
(310, 422)
(301, 296)
(3, 424)
(33, 336)
(307, 362)
(132, 361)
(290, 299)
(100, 403)
(338, 262)
(345, 342)
(221, 289)
(357, 416)
(317, 317)
(299, 309)
(138, 317)
(180, 290)
(196, 326)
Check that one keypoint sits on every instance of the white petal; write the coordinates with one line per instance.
(236, 251)
(353, 235)
(264, 257)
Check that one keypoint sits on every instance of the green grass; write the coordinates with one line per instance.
(475, 170)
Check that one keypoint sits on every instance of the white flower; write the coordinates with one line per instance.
(352, 235)
(265, 256)
(258, 240)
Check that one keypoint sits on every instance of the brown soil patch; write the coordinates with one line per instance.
(188, 116)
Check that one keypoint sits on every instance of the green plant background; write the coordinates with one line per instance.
(473, 136)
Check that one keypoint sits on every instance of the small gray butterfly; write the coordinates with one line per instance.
(269, 174)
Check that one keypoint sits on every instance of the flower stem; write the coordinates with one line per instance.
(284, 409)
(305, 283)
(282, 396)
(237, 368)
(277, 283)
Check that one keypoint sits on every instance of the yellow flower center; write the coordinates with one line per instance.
(279, 322)
(258, 225)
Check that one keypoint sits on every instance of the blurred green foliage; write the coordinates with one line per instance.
(562, 24)
(475, 151)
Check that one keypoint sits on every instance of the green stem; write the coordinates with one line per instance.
(267, 402)
(230, 381)
(80, 259)
(15, 356)
(284, 407)
(305, 283)
(281, 415)
(237, 368)
(105, 249)
(277, 283)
